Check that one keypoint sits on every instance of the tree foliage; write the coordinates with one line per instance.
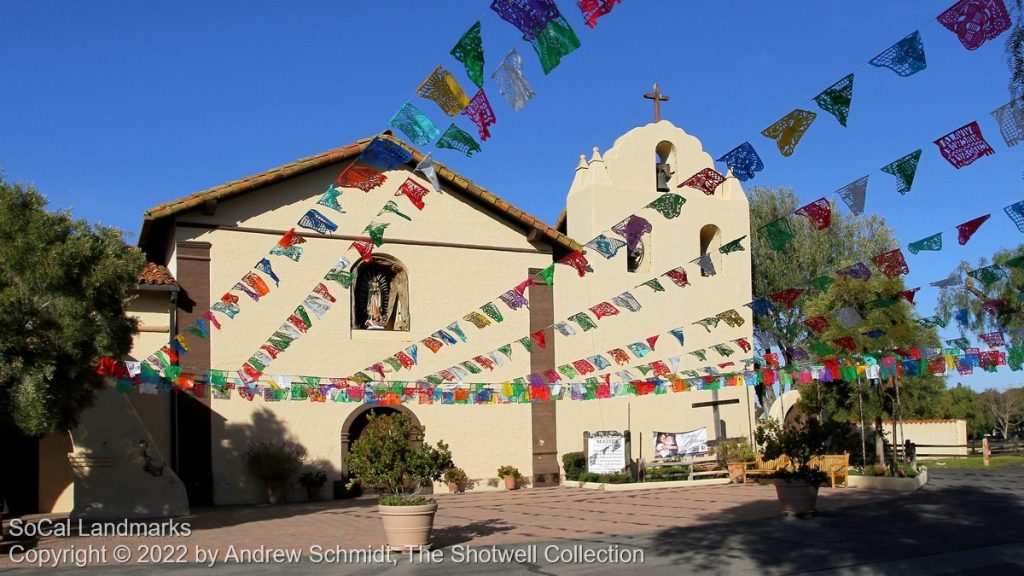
(1015, 50)
(391, 455)
(802, 441)
(963, 403)
(63, 289)
(811, 254)
(1004, 295)
(1006, 408)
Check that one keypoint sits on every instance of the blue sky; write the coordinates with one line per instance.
(113, 107)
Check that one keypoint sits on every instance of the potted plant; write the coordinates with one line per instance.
(457, 480)
(796, 485)
(735, 454)
(312, 482)
(274, 462)
(510, 474)
(391, 456)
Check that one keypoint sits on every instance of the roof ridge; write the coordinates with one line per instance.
(487, 199)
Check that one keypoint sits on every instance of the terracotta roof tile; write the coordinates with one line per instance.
(156, 275)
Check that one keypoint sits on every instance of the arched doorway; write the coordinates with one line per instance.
(356, 423)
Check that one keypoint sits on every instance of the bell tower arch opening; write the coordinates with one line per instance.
(664, 167)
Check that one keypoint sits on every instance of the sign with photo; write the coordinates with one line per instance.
(675, 444)
(606, 453)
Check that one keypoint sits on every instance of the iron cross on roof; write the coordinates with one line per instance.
(658, 98)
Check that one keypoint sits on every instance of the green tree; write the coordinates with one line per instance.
(390, 455)
(1002, 292)
(963, 403)
(63, 289)
(812, 254)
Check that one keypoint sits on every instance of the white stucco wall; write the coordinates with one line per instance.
(152, 310)
(945, 437)
(607, 189)
(445, 283)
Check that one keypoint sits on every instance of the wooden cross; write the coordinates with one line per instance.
(714, 404)
(658, 98)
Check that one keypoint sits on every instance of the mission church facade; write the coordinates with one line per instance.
(463, 249)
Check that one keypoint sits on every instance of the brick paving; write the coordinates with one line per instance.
(485, 517)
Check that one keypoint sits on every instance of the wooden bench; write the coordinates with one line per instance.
(762, 467)
(837, 466)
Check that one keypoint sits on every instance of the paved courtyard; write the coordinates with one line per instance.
(963, 522)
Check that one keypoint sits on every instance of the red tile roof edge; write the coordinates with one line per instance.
(155, 275)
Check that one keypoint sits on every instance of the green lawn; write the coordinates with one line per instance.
(971, 462)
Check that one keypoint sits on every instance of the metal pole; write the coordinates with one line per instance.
(894, 462)
(899, 406)
(750, 421)
(863, 439)
(821, 409)
(716, 416)
(782, 405)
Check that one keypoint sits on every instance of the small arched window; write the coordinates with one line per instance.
(381, 295)
(710, 242)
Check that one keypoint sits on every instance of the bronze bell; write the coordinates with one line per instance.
(664, 173)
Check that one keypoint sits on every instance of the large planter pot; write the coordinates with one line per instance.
(275, 492)
(736, 471)
(313, 493)
(408, 526)
(796, 497)
(453, 488)
(510, 482)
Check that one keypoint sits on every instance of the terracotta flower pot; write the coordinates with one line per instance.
(510, 482)
(796, 497)
(453, 487)
(408, 526)
(313, 493)
(736, 471)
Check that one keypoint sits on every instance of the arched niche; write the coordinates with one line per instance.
(380, 295)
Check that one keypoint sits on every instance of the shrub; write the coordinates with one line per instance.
(903, 470)
(391, 456)
(617, 478)
(458, 477)
(800, 442)
(575, 463)
(734, 450)
(508, 470)
(275, 461)
(311, 479)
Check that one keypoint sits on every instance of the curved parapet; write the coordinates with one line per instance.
(783, 405)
